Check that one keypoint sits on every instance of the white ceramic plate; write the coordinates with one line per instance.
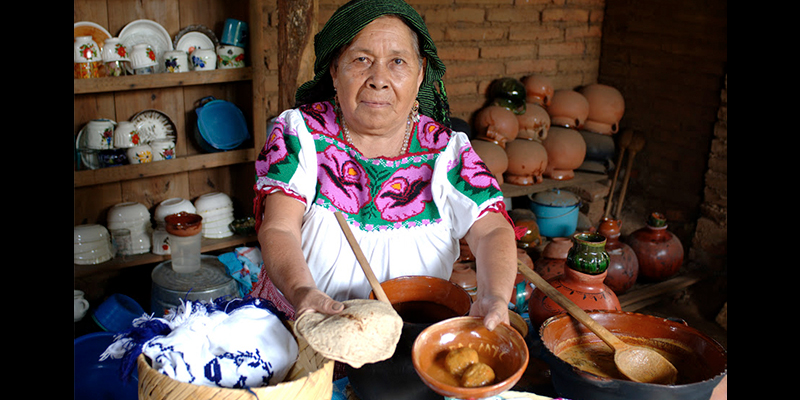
(148, 32)
(154, 125)
(195, 37)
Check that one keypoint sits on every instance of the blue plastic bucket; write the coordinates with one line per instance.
(556, 212)
(100, 380)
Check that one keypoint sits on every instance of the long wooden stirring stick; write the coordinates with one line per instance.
(624, 141)
(373, 281)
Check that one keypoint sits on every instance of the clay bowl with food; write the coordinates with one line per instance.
(460, 358)
(420, 301)
(582, 365)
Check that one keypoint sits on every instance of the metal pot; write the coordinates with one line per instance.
(573, 383)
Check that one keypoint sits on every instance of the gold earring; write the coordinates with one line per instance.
(415, 111)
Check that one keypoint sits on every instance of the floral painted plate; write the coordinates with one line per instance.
(195, 37)
(154, 125)
(145, 31)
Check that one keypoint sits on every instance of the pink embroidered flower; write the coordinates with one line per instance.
(343, 180)
(274, 150)
(432, 135)
(405, 193)
(474, 171)
(321, 118)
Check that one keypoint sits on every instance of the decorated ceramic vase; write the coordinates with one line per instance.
(566, 151)
(606, 108)
(538, 89)
(496, 124)
(87, 59)
(623, 266)
(582, 281)
(493, 156)
(554, 258)
(659, 251)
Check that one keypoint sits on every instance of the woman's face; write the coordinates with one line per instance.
(377, 77)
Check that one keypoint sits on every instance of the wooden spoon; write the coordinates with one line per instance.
(636, 145)
(373, 281)
(639, 364)
(624, 141)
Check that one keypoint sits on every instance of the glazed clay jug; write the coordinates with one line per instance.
(531, 238)
(582, 281)
(566, 151)
(623, 266)
(493, 155)
(554, 257)
(659, 251)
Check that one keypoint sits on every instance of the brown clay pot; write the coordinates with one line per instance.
(496, 124)
(466, 252)
(587, 291)
(531, 238)
(623, 266)
(464, 275)
(553, 258)
(538, 90)
(566, 151)
(606, 107)
(493, 155)
(534, 123)
(527, 161)
(659, 251)
(568, 109)
(183, 224)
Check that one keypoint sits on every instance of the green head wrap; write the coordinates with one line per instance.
(345, 24)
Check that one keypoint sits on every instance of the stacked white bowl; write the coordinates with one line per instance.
(134, 217)
(167, 207)
(91, 244)
(217, 211)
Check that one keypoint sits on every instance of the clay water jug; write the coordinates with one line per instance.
(659, 251)
(553, 258)
(623, 266)
(582, 281)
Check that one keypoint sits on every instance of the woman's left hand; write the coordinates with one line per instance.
(493, 309)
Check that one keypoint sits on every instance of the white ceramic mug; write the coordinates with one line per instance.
(163, 149)
(204, 59)
(81, 305)
(230, 57)
(140, 154)
(126, 135)
(97, 134)
(176, 61)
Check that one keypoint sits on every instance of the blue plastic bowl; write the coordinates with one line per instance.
(100, 380)
(117, 313)
(220, 125)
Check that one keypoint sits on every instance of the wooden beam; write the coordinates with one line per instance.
(297, 25)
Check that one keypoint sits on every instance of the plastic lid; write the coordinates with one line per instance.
(556, 198)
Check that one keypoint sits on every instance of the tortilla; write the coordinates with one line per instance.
(366, 331)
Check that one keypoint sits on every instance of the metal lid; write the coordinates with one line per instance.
(555, 198)
(211, 275)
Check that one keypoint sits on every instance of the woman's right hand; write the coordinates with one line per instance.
(313, 299)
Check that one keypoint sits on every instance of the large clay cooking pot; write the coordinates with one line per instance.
(701, 361)
(395, 378)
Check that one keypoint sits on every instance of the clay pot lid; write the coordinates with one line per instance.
(183, 224)
(555, 198)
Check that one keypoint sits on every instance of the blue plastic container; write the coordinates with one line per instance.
(220, 125)
(100, 380)
(556, 212)
(117, 313)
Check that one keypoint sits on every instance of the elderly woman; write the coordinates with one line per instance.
(370, 139)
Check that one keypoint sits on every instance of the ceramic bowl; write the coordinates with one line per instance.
(183, 224)
(212, 201)
(503, 349)
(173, 206)
(89, 233)
(129, 212)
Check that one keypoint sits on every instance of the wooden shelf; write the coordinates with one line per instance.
(164, 80)
(510, 190)
(121, 262)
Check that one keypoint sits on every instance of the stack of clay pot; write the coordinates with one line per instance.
(606, 108)
(565, 146)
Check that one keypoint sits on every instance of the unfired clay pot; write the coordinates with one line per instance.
(623, 266)
(554, 256)
(539, 90)
(606, 107)
(534, 123)
(493, 156)
(527, 161)
(566, 151)
(497, 124)
(568, 109)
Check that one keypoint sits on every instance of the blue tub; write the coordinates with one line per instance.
(556, 212)
(99, 380)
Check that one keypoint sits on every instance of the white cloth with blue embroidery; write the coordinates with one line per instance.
(246, 348)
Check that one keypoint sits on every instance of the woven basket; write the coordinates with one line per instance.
(310, 378)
